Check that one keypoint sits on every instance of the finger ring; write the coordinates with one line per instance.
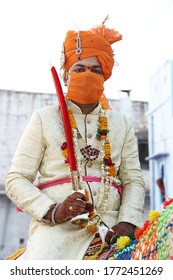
(113, 239)
(70, 208)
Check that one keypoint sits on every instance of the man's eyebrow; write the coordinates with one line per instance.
(96, 66)
(82, 65)
(78, 64)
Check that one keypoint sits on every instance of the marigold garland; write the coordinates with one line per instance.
(72, 119)
(103, 127)
(107, 149)
(112, 171)
(108, 168)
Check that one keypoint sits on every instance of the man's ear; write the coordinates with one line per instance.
(65, 78)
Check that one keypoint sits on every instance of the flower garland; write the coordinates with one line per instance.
(100, 147)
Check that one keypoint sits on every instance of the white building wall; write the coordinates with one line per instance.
(15, 111)
(160, 131)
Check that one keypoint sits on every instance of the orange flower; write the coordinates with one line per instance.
(65, 153)
(107, 148)
(103, 106)
(72, 120)
(103, 123)
(83, 225)
(103, 135)
(92, 229)
(112, 170)
(91, 216)
(86, 196)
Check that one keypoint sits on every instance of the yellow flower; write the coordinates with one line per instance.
(153, 215)
(123, 241)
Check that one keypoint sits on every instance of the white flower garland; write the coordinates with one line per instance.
(106, 180)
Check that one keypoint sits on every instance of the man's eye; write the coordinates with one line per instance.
(97, 71)
(78, 70)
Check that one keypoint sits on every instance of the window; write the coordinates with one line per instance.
(143, 153)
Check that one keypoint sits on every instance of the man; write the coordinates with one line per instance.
(110, 201)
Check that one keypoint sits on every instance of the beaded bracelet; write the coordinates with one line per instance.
(53, 213)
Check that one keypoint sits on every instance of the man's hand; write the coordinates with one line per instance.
(121, 229)
(72, 206)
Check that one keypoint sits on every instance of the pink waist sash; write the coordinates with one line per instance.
(85, 178)
(69, 180)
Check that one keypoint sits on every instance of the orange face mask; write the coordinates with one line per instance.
(85, 87)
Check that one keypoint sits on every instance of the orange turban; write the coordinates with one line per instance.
(95, 42)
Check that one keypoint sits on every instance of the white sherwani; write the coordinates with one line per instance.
(39, 152)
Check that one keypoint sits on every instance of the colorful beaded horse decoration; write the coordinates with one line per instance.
(154, 241)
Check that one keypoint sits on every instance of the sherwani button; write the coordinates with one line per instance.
(89, 164)
(89, 135)
(88, 121)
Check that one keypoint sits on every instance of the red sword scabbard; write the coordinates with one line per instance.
(67, 128)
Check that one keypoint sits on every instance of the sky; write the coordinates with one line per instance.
(32, 34)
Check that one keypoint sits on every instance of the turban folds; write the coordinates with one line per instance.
(95, 42)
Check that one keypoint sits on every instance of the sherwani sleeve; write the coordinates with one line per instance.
(131, 177)
(25, 164)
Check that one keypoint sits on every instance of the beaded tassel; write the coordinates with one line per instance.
(126, 253)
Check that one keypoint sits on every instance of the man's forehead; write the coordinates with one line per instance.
(90, 61)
